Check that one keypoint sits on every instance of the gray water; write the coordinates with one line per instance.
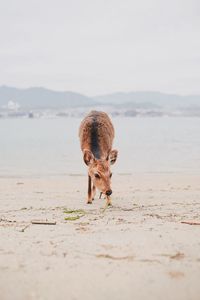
(50, 147)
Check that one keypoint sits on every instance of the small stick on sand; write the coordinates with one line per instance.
(106, 206)
(43, 222)
(24, 228)
(108, 203)
(191, 222)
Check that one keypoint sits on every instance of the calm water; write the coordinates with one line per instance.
(50, 147)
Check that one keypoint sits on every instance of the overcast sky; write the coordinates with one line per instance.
(96, 46)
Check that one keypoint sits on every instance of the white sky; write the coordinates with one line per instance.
(98, 46)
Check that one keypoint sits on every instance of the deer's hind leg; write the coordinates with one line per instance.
(89, 201)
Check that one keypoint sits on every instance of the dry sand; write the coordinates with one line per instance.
(137, 249)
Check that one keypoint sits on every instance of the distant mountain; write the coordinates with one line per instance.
(38, 97)
(41, 98)
(149, 100)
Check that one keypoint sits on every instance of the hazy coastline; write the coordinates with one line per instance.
(45, 103)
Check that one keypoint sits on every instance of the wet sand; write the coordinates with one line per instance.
(137, 249)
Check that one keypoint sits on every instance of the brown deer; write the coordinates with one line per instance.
(96, 135)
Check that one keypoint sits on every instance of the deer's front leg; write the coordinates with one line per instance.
(93, 191)
(89, 190)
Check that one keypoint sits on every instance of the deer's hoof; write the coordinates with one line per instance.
(89, 202)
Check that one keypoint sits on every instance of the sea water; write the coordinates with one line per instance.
(50, 147)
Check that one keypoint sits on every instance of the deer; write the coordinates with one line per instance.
(96, 134)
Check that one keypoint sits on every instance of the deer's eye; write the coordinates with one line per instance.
(110, 175)
(97, 175)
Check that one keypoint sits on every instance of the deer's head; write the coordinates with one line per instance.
(99, 170)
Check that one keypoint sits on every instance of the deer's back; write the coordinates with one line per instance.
(96, 134)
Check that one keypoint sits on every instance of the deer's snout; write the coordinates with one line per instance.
(108, 193)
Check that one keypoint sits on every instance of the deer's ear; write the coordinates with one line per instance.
(113, 156)
(88, 157)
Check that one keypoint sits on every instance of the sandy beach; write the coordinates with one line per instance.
(137, 249)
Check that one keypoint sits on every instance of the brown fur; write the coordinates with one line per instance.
(96, 135)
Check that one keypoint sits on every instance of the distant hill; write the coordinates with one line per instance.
(41, 98)
(38, 97)
(149, 99)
